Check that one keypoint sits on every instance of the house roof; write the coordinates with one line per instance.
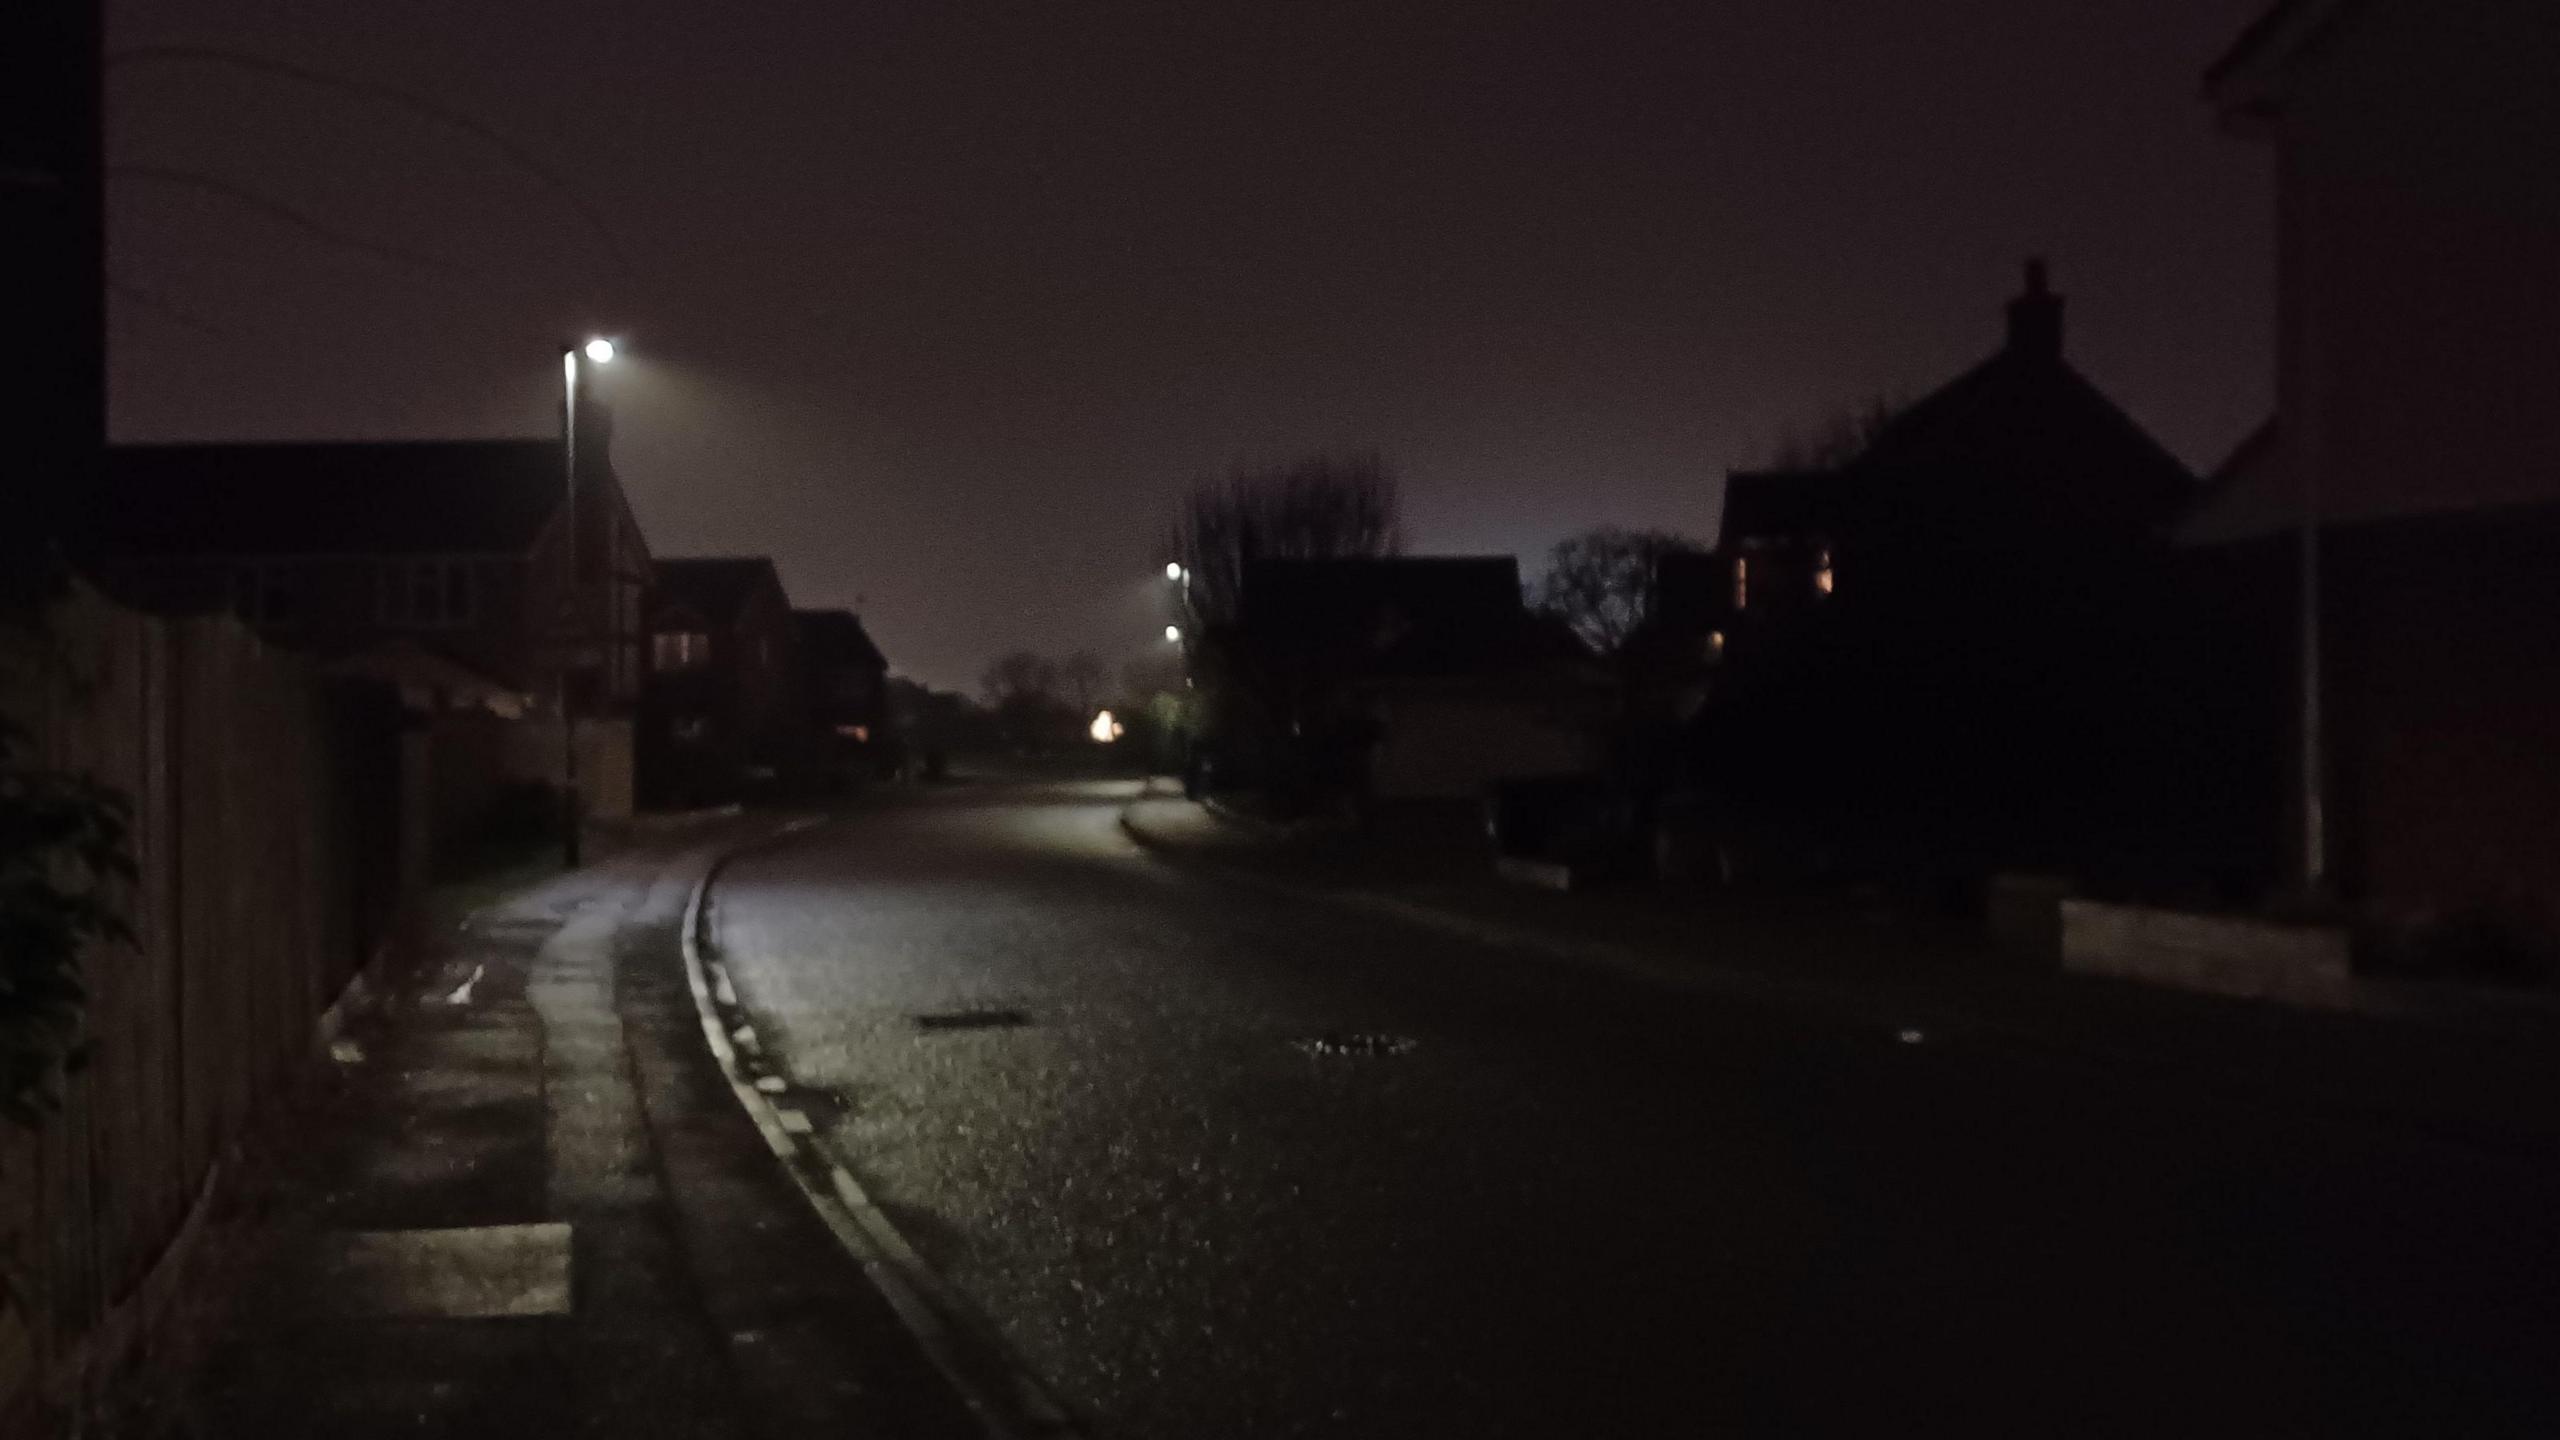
(2241, 82)
(1777, 504)
(1336, 595)
(2037, 421)
(716, 588)
(836, 637)
(1407, 615)
(2245, 496)
(402, 497)
(420, 671)
(2021, 437)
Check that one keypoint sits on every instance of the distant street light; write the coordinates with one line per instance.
(1173, 634)
(1104, 729)
(598, 351)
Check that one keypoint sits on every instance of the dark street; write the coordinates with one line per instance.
(1161, 1130)
(1215, 721)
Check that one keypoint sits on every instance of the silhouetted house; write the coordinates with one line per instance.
(1670, 663)
(845, 681)
(1945, 647)
(721, 714)
(437, 565)
(2416, 433)
(1417, 678)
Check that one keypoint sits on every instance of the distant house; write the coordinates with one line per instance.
(2414, 457)
(438, 565)
(1955, 642)
(845, 681)
(1417, 678)
(2018, 457)
(721, 713)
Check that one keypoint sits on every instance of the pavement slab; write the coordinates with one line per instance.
(526, 1205)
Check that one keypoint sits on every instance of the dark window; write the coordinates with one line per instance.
(426, 594)
(264, 595)
(679, 650)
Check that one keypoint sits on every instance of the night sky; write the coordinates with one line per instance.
(940, 303)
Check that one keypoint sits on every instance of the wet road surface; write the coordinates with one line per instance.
(1217, 1161)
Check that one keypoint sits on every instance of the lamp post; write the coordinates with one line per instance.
(598, 351)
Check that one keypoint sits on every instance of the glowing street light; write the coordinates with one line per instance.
(1105, 729)
(598, 351)
(1173, 634)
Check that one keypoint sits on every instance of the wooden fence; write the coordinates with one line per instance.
(265, 821)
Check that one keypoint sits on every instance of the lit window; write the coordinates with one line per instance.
(1822, 572)
(859, 734)
(1741, 582)
(1715, 645)
(679, 650)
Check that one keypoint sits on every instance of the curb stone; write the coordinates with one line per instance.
(1012, 1405)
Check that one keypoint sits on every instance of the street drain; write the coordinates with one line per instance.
(1365, 1042)
(973, 1020)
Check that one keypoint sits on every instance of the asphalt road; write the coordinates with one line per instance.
(1083, 1082)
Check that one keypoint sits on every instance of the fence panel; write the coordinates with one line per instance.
(264, 843)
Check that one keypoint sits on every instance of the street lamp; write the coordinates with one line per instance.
(1173, 634)
(1173, 571)
(597, 350)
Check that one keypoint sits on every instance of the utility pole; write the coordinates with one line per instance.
(52, 213)
(569, 608)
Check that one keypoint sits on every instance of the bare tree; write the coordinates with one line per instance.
(1837, 438)
(1601, 582)
(1318, 508)
(1151, 675)
(1018, 679)
(1081, 680)
(1022, 692)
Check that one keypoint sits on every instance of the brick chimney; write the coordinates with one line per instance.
(2035, 317)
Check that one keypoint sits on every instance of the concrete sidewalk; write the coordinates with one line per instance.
(530, 1205)
(2480, 1076)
